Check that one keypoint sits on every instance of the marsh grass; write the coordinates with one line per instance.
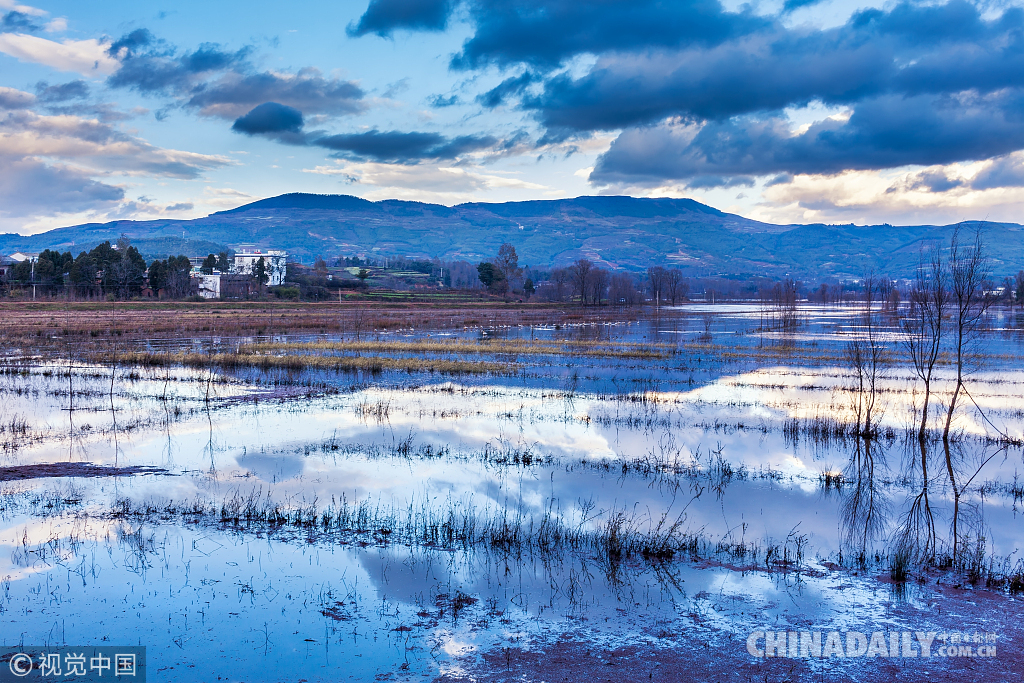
(611, 537)
(371, 364)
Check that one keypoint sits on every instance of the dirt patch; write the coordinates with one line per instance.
(73, 469)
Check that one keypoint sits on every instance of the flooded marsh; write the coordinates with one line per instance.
(478, 502)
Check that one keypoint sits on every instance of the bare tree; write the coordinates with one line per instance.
(676, 285)
(623, 291)
(922, 327)
(597, 284)
(778, 305)
(967, 271)
(580, 272)
(562, 279)
(656, 277)
(868, 357)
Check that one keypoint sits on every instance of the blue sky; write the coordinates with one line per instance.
(784, 111)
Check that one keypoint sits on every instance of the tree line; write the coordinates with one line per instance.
(118, 270)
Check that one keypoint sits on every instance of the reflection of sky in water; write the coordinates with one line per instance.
(334, 446)
(251, 605)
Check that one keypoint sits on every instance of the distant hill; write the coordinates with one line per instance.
(620, 232)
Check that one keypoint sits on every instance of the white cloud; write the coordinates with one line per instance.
(98, 146)
(87, 57)
(897, 197)
(423, 181)
(57, 25)
(24, 9)
(221, 198)
(57, 170)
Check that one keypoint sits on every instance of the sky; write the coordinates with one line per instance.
(787, 111)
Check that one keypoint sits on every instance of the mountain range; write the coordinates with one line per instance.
(616, 232)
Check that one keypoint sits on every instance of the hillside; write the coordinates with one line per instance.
(620, 232)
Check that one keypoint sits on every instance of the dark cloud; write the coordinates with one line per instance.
(793, 5)
(402, 148)
(182, 206)
(698, 92)
(152, 66)
(441, 101)
(883, 132)
(512, 86)
(308, 91)
(875, 53)
(223, 83)
(269, 118)
(545, 33)
(26, 185)
(62, 92)
(18, 22)
(285, 124)
(384, 17)
(130, 44)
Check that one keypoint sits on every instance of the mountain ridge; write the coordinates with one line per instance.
(614, 231)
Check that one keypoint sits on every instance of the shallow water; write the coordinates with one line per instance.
(718, 446)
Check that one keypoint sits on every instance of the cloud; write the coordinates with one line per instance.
(910, 51)
(180, 206)
(223, 83)
(56, 25)
(698, 93)
(15, 99)
(401, 147)
(384, 17)
(875, 197)
(225, 197)
(1007, 171)
(28, 186)
(87, 57)
(18, 22)
(882, 132)
(62, 92)
(149, 65)
(545, 33)
(790, 6)
(96, 146)
(442, 101)
(514, 85)
(235, 94)
(130, 44)
(424, 182)
(269, 117)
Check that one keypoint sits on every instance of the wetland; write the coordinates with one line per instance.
(506, 492)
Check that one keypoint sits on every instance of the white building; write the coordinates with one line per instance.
(273, 261)
(209, 285)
